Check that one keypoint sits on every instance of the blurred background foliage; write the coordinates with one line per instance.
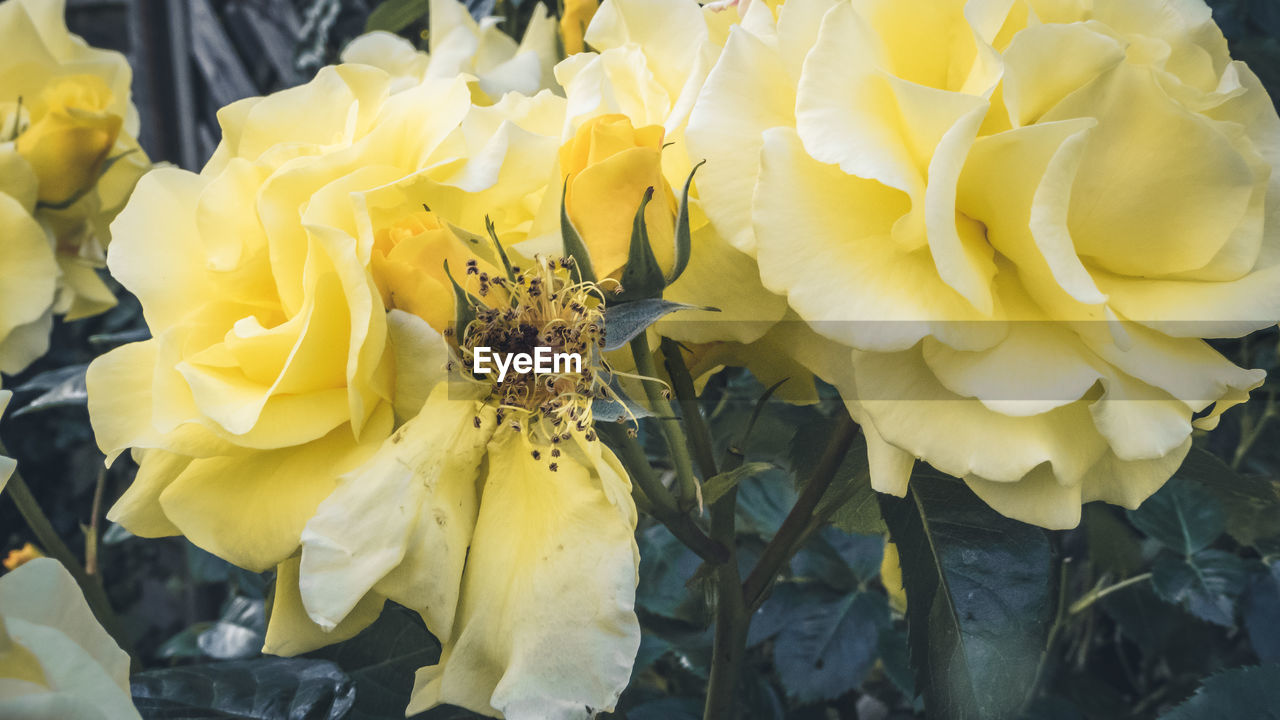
(1171, 611)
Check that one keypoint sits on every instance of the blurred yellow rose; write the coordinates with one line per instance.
(457, 44)
(56, 661)
(70, 141)
(1008, 227)
(68, 160)
(574, 21)
(607, 166)
(891, 578)
(19, 556)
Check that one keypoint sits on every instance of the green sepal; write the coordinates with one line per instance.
(502, 253)
(573, 245)
(642, 277)
(684, 238)
(624, 321)
(464, 306)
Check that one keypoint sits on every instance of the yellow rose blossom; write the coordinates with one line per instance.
(573, 23)
(56, 661)
(69, 143)
(1010, 225)
(607, 166)
(289, 381)
(20, 556)
(69, 159)
(270, 371)
(459, 45)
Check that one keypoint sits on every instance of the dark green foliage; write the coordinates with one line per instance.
(1248, 692)
(262, 689)
(978, 598)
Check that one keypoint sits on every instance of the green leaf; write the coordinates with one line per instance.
(1183, 516)
(684, 237)
(1114, 547)
(396, 15)
(573, 245)
(642, 277)
(1206, 583)
(264, 688)
(1261, 609)
(849, 502)
(717, 486)
(829, 643)
(763, 503)
(978, 598)
(839, 560)
(666, 567)
(1251, 503)
(63, 387)
(382, 660)
(624, 321)
(1247, 692)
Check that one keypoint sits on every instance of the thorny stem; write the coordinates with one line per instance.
(671, 431)
(783, 544)
(48, 538)
(663, 507)
(729, 643)
(687, 397)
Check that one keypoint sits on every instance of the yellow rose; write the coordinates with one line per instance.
(295, 394)
(270, 371)
(459, 45)
(69, 143)
(1009, 229)
(608, 165)
(573, 23)
(56, 661)
(68, 160)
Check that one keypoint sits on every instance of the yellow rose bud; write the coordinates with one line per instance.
(408, 267)
(71, 134)
(573, 24)
(21, 556)
(609, 163)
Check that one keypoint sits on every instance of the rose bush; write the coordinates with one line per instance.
(56, 661)
(68, 159)
(1010, 261)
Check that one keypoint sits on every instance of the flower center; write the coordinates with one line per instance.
(544, 312)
